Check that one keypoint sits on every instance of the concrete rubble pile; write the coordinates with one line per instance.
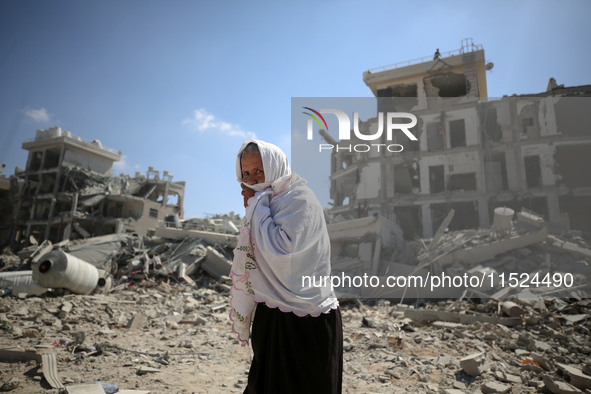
(155, 319)
(117, 259)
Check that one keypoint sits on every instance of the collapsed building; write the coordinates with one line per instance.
(68, 191)
(473, 154)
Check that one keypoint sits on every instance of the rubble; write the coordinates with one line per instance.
(161, 324)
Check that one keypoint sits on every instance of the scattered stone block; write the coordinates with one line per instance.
(459, 385)
(474, 364)
(507, 377)
(65, 310)
(494, 387)
(558, 387)
(137, 322)
(576, 376)
(543, 362)
(31, 333)
(11, 384)
(145, 370)
(85, 389)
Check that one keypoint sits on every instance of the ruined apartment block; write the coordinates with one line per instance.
(69, 192)
(473, 154)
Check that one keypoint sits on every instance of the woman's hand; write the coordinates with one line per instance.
(247, 192)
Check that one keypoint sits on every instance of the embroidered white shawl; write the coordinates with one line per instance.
(283, 238)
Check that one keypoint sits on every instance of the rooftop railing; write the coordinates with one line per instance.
(424, 59)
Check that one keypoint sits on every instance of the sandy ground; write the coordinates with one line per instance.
(186, 338)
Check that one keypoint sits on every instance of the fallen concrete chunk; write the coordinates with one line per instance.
(543, 362)
(576, 376)
(507, 377)
(181, 273)
(213, 238)
(134, 392)
(10, 384)
(569, 247)
(145, 370)
(474, 364)
(137, 322)
(494, 387)
(66, 309)
(85, 389)
(216, 264)
(558, 387)
(433, 315)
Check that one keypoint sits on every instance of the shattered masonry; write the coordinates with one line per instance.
(68, 192)
(472, 155)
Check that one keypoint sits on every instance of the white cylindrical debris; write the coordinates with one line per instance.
(503, 218)
(512, 309)
(20, 282)
(105, 282)
(59, 270)
(229, 227)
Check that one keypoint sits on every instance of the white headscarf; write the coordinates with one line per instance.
(275, 165)
(283, 238)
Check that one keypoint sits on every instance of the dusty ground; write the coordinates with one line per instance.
(384, 352)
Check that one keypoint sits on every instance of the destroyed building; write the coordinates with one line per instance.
(473, 154)
(68, 191)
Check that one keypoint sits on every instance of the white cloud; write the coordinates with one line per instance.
(124, 167)
(204, 121)
(120, 166)
(39, 115)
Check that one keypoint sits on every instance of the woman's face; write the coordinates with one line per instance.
(252, 168)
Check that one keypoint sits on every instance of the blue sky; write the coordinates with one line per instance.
(179, 85)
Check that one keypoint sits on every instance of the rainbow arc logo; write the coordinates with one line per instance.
(315, 118)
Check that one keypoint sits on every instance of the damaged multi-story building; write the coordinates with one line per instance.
(473, 154)
(68, 192)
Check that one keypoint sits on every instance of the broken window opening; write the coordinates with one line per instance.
(153, 213)
(41, 211)
(36, 159)
(533, 171)
(114, 209)
(579, 212)
(495, 168)
(491, 130)
(462, 182)
(572, 114)
(397, 98)
(434, 136)
(436, 179)
(457, 133)
(410, 221)
(446, 85)
(573, 163)
(52, 158)
(528, 123)
(47, 183)
(539, 205)
(33, 183)
(173, 200)
(406, 179)
(466, 215)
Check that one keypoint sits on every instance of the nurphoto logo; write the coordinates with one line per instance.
(345, 130)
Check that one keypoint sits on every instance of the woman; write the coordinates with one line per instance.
(297, 336)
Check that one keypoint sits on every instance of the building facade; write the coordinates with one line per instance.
(69, 192)
(473, 153)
